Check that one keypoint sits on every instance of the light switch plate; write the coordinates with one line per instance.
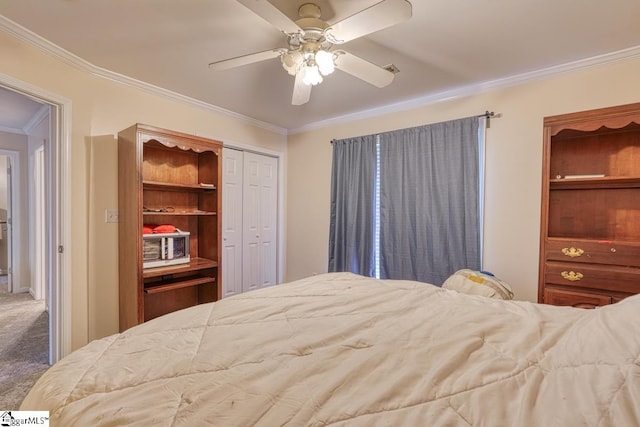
(111, 215)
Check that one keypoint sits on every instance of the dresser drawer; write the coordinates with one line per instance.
(575, 298)
(594, 252)
(610, 278)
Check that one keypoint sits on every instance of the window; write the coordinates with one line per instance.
(407, 204)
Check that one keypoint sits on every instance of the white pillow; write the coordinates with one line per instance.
(478, 283)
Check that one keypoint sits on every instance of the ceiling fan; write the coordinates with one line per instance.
(310, 54)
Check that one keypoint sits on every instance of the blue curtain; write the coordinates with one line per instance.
(428, 212)
(351, 243)
(429, 201)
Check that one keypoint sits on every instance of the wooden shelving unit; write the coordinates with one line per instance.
(590, 228)
(167, 177)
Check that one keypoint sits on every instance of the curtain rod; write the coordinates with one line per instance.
(487, 115)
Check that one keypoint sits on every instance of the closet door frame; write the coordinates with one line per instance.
(280, 156)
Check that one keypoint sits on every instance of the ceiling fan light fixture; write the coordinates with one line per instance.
(311, 74)
(325, 61)
(291, 61)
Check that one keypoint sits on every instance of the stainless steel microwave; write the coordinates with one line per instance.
(164, 249)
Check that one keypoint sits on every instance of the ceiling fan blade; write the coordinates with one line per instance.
(272, 15)
(375, 18)
(301, 91)
(364, 70)
(246, 59)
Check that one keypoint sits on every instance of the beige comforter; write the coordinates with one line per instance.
(344, 350)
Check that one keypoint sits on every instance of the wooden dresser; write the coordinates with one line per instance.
(590, 222)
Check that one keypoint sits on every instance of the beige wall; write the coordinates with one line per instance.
(513, 163)
(101, 108)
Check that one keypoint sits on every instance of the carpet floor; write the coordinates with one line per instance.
(24, 346)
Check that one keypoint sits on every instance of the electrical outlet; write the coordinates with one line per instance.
(110, 215)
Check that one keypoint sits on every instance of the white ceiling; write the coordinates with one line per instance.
(446, 46)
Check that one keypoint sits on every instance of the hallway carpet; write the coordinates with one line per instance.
(24, 346)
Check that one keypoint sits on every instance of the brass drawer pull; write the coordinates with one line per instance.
(571, 276)
(572, 252)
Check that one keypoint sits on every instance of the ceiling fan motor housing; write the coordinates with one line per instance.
(312, 26)
(304, 46)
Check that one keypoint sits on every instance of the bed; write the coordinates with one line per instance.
(339, 349)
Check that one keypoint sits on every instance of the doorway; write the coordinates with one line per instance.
(7, 159)
(5, 249)
(48, 182)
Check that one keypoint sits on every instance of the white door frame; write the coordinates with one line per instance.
(59, 218)
(38, 223)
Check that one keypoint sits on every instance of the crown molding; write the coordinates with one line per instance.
(41, 114)
(12, 130)
(476, 88)
(26, 35)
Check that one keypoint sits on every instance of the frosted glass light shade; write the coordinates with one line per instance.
(311, 75)
(325, 62)
(291, 61)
